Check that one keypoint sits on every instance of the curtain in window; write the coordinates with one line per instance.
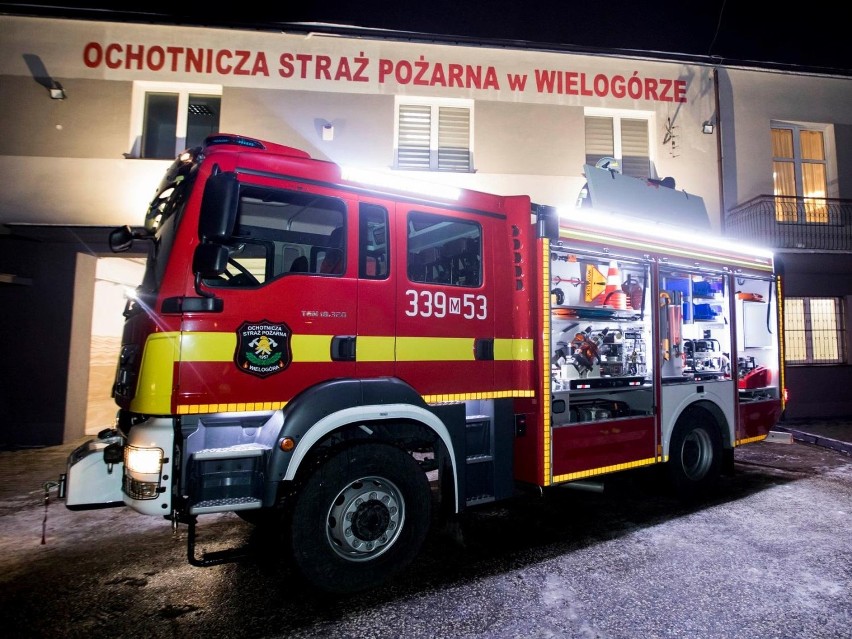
(794, 330)
(814, 330)
(784, 176)
(824, 330)
(809, 162)
(813, 176)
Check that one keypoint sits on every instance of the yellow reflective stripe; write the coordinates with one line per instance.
(434, 349)
(521, 350)
(219, 347)
(463, 397)
(456, 349)
(311, 348)
(750, 440)
(547, 444)
(207, 347)
(604, 470)
(371, 348)
(154, 388)
(199, 409)
(241, 407)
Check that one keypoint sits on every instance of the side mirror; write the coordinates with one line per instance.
(209, 260)
(121, 239)
(219, 208)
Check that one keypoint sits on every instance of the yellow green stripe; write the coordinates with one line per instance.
(375, 348)
(154, 388)
(220, 346)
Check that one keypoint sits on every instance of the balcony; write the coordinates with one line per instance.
(797, 223)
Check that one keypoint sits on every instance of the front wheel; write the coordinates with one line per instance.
(360, 518)
(695, 454)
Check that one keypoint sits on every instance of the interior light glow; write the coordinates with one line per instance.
(399, 183)
(655, 231)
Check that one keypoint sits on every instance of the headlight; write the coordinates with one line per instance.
(146, 461)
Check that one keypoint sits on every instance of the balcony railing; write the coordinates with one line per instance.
(823, 224)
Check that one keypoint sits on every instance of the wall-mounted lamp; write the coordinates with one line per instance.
(707, 127)
(327, 131)
(56, 91)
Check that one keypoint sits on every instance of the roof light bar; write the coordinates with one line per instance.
(657, 231)
(399, 183)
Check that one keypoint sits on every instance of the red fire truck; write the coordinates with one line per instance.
(344, 358)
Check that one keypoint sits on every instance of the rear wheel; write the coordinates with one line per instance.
(695, 454)
(360, 518)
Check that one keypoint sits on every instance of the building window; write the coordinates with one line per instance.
(814, 330)
(170, 117)
(625, 138)
(799, 174)
(434, 135)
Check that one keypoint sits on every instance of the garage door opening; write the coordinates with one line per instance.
(114, 278)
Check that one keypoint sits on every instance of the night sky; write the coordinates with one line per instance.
(813, 37)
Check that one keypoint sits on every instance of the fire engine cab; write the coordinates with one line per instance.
(335, 356)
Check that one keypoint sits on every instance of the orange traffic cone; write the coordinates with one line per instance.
(613, 295)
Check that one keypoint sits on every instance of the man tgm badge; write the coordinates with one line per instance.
(263, 348)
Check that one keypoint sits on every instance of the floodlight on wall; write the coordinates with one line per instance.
(56, 91)
(327, 131)
(707, 127)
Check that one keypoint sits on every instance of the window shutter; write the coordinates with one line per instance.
(599, 139)
(453, 139)
(415, 127)
(634, 148)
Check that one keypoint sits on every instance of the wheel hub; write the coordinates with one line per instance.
(697, 454)
(365, 519)
(370, 520)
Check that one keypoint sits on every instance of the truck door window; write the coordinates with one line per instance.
(373, 255)
(444, 250)
(281, 232)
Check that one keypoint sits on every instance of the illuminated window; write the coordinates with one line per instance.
(168, 118)
(799, 174)
(814, 330)
(626, 138)
(434, 135)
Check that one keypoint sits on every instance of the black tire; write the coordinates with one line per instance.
(384, 493)
(695, 455)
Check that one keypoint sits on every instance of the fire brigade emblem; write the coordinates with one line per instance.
(263, 348)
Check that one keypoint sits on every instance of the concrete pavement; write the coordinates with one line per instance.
(828, 433)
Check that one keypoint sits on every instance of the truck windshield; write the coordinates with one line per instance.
(161, 221)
